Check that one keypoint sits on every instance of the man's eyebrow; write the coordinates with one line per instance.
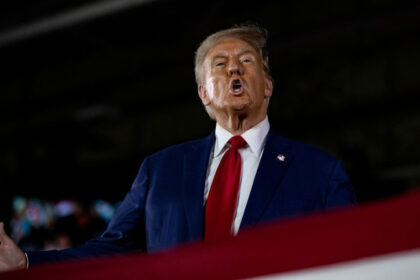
(246, 52)
(218, 56)
(242, 52)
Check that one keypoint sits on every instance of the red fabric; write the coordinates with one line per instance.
(315, 240)
(221, 203)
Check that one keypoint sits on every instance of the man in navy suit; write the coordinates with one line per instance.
(279, 177)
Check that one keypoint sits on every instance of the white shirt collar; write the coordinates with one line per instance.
(254, 137)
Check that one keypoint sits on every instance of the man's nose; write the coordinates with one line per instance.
(235, 68)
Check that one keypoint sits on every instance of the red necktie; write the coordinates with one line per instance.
(221, 202)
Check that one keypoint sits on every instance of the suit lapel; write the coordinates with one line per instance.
(275, 160)
(195, 171)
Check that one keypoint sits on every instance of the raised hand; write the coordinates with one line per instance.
(11, 256)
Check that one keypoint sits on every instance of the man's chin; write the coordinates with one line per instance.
(239, 106)
(240, 111)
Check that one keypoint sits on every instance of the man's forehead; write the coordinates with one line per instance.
(227, 45)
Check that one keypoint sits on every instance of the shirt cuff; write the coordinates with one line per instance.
(27, 260)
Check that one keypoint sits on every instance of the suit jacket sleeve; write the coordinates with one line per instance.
(124, 234)
(340, 191)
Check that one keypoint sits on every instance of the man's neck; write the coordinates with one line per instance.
(237, 124)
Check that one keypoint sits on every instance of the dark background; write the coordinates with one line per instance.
(84, 99)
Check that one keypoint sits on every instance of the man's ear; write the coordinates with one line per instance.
(268, 86)
(203, 93)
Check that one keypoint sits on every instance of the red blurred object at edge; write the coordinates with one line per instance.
(314, 240)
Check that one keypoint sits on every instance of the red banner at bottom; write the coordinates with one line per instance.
(349, 235)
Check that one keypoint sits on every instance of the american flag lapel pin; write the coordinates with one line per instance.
(281, 157)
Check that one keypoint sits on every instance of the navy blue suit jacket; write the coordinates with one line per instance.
(164, 207)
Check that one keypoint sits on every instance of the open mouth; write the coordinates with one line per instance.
(236, 86)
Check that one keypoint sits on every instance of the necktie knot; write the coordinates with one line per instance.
(237, 142)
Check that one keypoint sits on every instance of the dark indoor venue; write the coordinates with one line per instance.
(88, 89)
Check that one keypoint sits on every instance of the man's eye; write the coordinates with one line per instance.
(246, 60)
(220, 64)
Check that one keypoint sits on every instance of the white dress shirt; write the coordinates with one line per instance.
(250, 155)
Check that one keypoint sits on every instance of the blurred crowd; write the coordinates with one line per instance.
(46, 225)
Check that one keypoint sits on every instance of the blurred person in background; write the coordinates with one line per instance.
(242, 175)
